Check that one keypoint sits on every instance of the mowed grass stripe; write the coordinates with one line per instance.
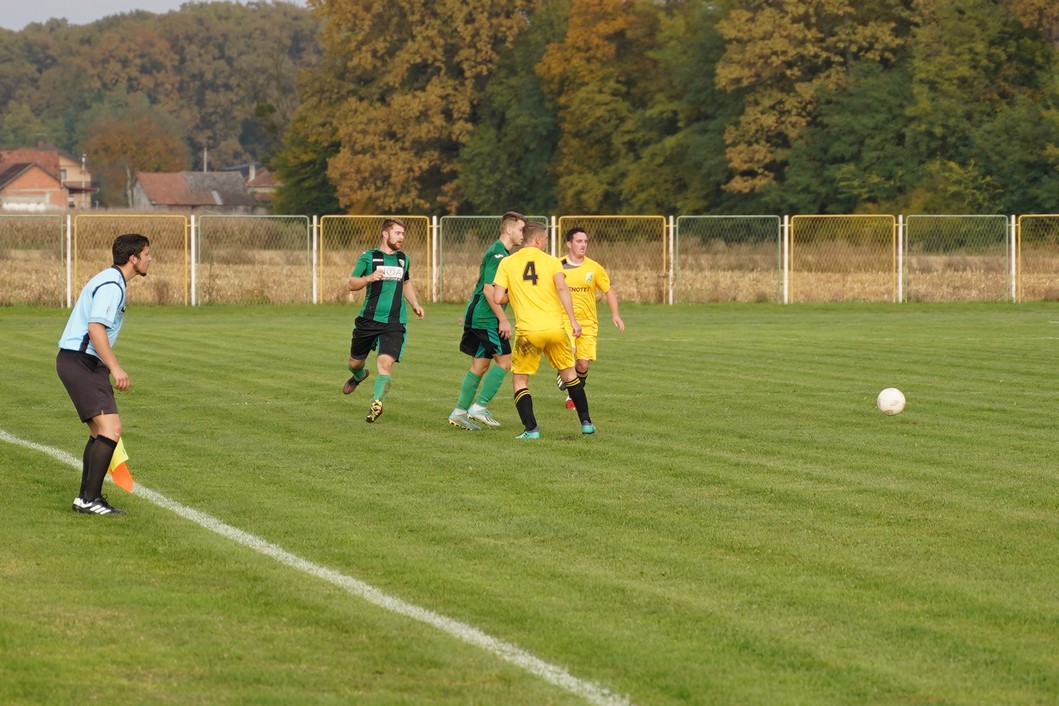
(746, 528)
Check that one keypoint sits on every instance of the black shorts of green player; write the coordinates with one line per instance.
(386, 338)
(484, 343)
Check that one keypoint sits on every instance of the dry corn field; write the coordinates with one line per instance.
(706, 270)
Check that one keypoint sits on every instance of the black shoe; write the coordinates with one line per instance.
(99, 506)
(351, 384)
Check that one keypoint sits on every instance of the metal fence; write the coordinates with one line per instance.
(46, 259)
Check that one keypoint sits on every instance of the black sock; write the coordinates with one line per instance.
(582, 377)
(98, 463)
(524, 405)
(576, 390)
(84, 468)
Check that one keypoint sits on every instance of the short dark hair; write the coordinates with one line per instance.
(532, 229)
(127, 245)
(511, 216)
(388, 223)
(569, 235)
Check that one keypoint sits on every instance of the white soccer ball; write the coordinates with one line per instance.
(890, 401)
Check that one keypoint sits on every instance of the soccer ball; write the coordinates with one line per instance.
(890, 401)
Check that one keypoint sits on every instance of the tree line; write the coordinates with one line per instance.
(574, 106)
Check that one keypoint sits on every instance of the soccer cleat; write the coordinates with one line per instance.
(460, 420)
(99, 506)
(374, 412)
(570, 403)
(351, 384)
(559, 382)
(77, 504)
(529, 435)
(588, 428)
(482, 415)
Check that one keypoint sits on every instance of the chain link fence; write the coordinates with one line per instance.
(1038, 258)
(843, 259)
(344, 238)
(254, 259)
(697, 259)
(462, 241)
(33, 260)
(728, 259)
(957, 258)
(169, 279)
(633, 249)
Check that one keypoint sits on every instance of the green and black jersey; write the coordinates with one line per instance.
(383, 300)
(478, 314)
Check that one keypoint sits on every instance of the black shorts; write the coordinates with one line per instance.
(484, 343)
(369, 335)
(87, 381)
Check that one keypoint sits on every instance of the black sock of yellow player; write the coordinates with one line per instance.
(524, 405)
(581, 377)
(576, 390)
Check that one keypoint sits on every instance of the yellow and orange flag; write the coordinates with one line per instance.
(119, 469)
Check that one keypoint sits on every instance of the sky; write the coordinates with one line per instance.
(16, 14)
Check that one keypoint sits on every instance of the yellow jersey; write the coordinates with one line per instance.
(529, 278)
(583, 281)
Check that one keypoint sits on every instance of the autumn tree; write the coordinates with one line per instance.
(507, 160)
(131, 136)
(600, 76)
(782, 54)
(406, 78)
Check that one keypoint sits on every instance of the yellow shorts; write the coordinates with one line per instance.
(585, 344)
(556, 344)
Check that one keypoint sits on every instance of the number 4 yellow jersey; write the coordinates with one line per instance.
(529, 278)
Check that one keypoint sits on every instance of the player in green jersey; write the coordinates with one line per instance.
(381, 323)
(486, 334)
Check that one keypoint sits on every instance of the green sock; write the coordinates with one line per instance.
(362, 373)
(490, 384)
(382, 386)
(467, 390)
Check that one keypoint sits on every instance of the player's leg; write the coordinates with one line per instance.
(468, 389)
(560, 355)
(107, 430)
(87, 381)
(491, 383)
(525, 359)
(359, 346)
(391, 346)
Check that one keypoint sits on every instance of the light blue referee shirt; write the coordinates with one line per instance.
(102, 301)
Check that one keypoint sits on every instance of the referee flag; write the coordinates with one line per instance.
(119, 470)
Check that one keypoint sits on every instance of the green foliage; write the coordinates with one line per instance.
(508, 160)
(301, 166)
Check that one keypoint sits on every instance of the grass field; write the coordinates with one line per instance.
(745, 528)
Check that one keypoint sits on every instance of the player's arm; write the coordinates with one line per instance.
(503, 324)
(499, 294)
(568, 302)
(412, 299)
(615, 315)
(97, 333)
(362, 274)
(358, 283)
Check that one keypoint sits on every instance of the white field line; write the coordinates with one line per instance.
(590, 692)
